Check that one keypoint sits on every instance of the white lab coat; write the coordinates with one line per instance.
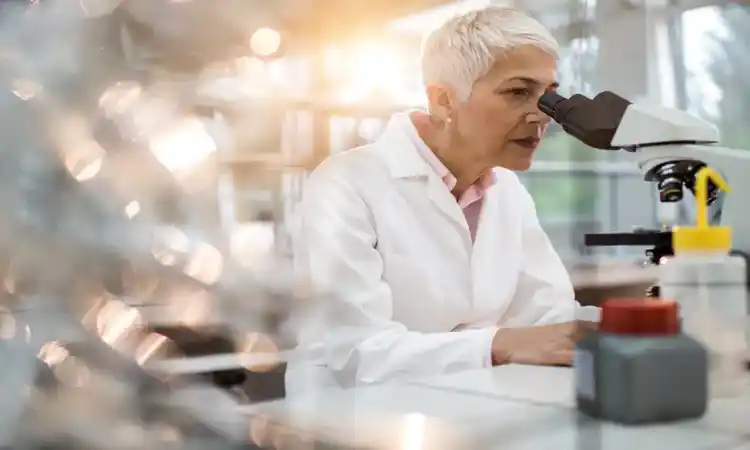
(381, 234)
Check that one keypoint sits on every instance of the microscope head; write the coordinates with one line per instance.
(609, 122)
(659, 137)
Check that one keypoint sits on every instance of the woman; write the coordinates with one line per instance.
(426, 241)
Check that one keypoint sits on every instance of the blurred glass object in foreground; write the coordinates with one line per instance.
(113, 252)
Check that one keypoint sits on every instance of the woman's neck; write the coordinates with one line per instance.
(451, 154)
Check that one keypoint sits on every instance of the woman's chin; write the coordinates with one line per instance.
(518, 163)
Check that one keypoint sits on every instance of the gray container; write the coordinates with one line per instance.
(643, 377)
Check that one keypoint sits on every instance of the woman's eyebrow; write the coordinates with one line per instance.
(534, 82)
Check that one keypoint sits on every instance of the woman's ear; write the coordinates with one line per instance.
(441, 101)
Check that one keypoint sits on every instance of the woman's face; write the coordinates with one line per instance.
(500, 124)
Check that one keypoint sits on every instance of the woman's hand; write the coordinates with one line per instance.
(546, 345)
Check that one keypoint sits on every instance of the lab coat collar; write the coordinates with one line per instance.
(398, 150)
(403, 157)
(405, 161)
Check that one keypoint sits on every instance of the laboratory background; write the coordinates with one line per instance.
(154, 156)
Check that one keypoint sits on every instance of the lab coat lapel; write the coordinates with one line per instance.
(404, 162)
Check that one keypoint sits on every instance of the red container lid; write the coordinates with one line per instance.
(640, 317)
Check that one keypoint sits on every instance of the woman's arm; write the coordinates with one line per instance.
(335, 248)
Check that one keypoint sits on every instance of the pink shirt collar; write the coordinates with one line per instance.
(473, 194)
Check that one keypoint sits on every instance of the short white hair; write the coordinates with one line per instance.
(466, 47)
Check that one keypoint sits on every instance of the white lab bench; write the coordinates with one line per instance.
(508, 407)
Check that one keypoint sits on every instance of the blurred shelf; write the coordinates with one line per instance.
(237, 101)
(272, 163)
(608, 274)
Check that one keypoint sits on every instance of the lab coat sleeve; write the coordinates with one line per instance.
(544, 293)
(335, 247)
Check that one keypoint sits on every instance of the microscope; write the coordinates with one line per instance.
(670, 147)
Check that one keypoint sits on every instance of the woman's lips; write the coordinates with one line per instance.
(530, 143)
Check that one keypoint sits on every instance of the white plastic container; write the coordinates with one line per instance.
(711, 290)
(710, 285)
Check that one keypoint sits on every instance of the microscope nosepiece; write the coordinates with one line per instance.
(549, 101)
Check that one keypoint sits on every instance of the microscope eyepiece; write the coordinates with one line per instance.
(592, 121)
(548, 103)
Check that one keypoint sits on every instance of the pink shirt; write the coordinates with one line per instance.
(472, 200)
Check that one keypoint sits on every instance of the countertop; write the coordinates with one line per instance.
(508, 407)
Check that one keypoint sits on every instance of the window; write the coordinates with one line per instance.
(716, 63)
(561, 193)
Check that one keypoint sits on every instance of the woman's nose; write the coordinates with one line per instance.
(537, 117)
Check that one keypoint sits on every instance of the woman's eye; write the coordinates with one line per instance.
(519, 92)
